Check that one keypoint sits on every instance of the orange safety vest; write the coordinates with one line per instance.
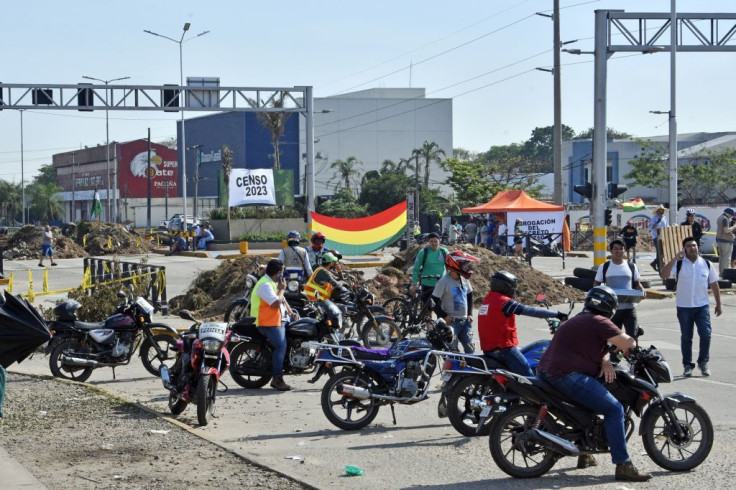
(266, 315)
(314, 291)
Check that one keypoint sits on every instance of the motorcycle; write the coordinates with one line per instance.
(78, 348)
(527, 439)
(250, 357)
(364, 319)
(544, 246)
(371, 378)
(469, 387)
(239, 308)
(201, 359)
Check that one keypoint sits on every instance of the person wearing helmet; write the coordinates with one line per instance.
(577, 357)
(497, 323)
(629, 235)
(690, 220)
(453, 297)
(724, 239)
(295, 257)
(323, 281)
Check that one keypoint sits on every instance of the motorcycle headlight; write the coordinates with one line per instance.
(292, 286)
(211, 346)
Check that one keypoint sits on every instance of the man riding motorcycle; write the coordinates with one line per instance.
(323, 281)
(317, 249)
(295, 257)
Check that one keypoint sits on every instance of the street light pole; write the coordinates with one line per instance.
(183, 146)
(107, 138)
(673, 119)
(22, 172)
(196, 177)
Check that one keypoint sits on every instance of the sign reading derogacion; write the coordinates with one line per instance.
(251, 186)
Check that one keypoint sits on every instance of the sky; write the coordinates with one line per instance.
(481, 53)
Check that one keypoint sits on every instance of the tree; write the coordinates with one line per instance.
(46, 175)
(708, 178)
(468, 180)
(649, 168)
(610, 133)
(10, 201)
(169, 142)
(227, 167)
(347, 173)
(275, 122)
(388, 189)
(343, 205)
(429, 152)
(46, 204)
(539, 148)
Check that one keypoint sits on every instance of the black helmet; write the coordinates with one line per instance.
(504, 282)
(440, 333)
(602, 300)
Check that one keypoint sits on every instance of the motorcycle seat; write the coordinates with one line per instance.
(89, 325)
(549, 389)
(370, 354)
(247, 328)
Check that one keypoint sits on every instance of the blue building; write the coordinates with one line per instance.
(249, 140)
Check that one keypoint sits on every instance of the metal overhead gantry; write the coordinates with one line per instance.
(167, 98)
(644, 32)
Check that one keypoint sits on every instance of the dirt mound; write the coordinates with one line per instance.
(26, 244)
(212, 291)
(531, 281)
(111, 238)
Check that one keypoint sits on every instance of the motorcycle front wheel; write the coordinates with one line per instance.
(348, 412)
(149, 356)
(672, 452)
(206, 392)
(380, 336)
(399, 309)
(62, 370)
(510, 447)
(249, 355)
(464, 404)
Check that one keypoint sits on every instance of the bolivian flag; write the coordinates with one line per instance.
(633, 205)
(358, 236)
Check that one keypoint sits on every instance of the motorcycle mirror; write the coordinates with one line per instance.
(121, 295)
(187, 315)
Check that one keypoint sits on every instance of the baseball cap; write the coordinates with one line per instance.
(433, 235)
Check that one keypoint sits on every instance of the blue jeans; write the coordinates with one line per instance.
(277, 337)
(590, 393)
(464, 333)
(699, 316)
(513, 359)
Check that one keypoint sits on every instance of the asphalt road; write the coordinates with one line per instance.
(289, 432)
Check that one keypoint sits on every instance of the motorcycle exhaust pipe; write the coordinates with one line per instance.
(78, 361)
(165, 377)
(553, 442)
(353, 391)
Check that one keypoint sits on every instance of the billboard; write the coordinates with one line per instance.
(134, 169)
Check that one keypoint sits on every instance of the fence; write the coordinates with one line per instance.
(104, 271)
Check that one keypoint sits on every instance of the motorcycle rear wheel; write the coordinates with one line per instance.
(515, 455)
(206, 393)
(388, 330)
(464, 414)
(149, 356)
(238, 309)
(176, 404)
(248, 354)
(340, 409)
(667, 450)
(61, 369)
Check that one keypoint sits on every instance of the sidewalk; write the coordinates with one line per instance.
(14, 475)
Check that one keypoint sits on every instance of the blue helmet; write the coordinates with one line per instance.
(729, 211)
(293, 236)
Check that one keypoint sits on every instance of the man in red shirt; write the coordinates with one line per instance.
(497, 323)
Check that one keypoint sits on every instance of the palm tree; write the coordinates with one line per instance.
(346, 174)
(430, 152)
(45, 201)
(10, 197)
(227, 167)
(275, 122)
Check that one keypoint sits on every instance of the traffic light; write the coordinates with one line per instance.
(680, 194)
(607, 214)
(585, 190)
(615, 190)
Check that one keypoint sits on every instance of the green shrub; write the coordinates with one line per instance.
(263, 237)
(256, 212)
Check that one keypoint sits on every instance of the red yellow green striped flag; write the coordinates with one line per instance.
(633, 205)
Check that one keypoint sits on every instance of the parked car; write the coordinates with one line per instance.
(175, 222)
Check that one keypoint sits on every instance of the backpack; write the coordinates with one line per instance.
(631, 266)
(443, 251)
(678, 266)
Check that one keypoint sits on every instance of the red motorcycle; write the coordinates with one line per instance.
(202, 357)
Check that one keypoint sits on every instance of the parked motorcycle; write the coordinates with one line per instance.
(77, 348)
(365, 320)
(201, 359)
(250, 358)
(528, 438)
(371, 378)
(239, 308)
(468, 384)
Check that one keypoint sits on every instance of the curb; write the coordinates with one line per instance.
(238, 256)
(169, 420)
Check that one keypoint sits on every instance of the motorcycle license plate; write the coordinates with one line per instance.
(486, 412)
(445, 377)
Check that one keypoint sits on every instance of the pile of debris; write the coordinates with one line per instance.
(25, 244)
(111, 239)
(390, 281)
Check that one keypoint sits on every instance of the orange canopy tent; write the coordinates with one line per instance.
(515, 200)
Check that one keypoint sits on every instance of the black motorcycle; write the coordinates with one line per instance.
(77, 348)
(363, 319)
(250, 358)
(528, 439)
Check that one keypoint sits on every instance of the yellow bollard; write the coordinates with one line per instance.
(31, 294)
(84, 241)
(10, 283)
(137, 241)
(109, 243)
(45, 284)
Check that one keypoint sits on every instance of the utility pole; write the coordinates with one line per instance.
(557, 144)
(148, 175)
(74, 188)
(197, 162)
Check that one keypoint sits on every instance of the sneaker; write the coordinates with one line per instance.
(40, 264)
(54, 263)
(278, 383)
(628, 472)
(655, 266)
(586, 461)
(704, 368)
(688, 371)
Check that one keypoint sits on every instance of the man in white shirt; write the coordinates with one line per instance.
(693, 274)
(619, 274)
